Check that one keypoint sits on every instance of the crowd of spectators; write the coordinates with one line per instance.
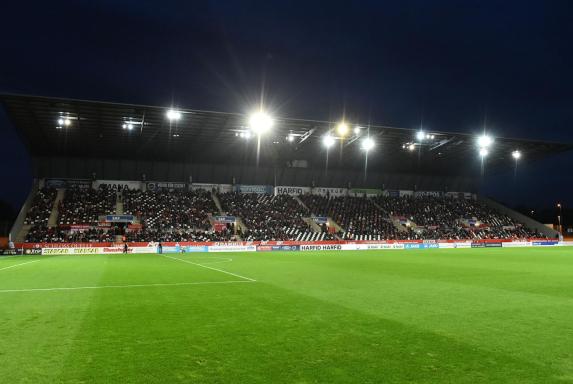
(153, 234)
(44, 234)
(186, 216)
(170, 210)
(450, 218)
(85, 205)
(358, 217)
(41, 207)
(269, 217)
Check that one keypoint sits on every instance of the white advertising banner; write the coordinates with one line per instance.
(71, 251)
(293, 191)
(118, 184)
(366, 247)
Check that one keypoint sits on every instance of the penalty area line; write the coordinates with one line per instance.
(17, 265)
(212, 268)
(122, 286)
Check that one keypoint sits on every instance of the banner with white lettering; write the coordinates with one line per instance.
(323, 191)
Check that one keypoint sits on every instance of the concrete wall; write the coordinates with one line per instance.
(19, 222)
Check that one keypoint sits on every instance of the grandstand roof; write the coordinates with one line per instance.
(214, 137)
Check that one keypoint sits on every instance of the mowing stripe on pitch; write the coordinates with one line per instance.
(206, 266)
(17, 265)
(122, 286)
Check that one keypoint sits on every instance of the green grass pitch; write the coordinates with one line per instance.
(428, 316)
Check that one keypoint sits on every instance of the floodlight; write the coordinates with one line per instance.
(412, 147)
(342, 129)
(328, 141)
(290, 137)
(130, 126)
(483, 152)
(420, 136)
(357, 131)
(172, 115)
(124, 126)
(60, 121)
(247, 135)
(67, 122)
(260, 122)
(516, 155)
(432, 137)
(485, 141)
(367, 144)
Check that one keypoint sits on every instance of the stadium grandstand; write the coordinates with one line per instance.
(109, 173)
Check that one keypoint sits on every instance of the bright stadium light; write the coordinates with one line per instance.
(357, 131)
(485, 141)
(124, 126)
(173, 115)
(290, 137)
(483, 152)
(411, 147)
(67, 122)
(328, 141)
(342, 129)
(516, 155)
(260, 122)
(421, 135)
(130, 126)
(367, 144)
(60, 121)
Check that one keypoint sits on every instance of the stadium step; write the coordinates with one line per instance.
(217, 202)
(312, 224)
(23, 233)
(119, 204)
(53, 220)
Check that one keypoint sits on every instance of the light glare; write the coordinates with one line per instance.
(342, 129)
(420, 136)
(260, 122)
(485, 141)
(483, 152)
(173, 115)
(367, 144)
(516, 155)
(328, 141)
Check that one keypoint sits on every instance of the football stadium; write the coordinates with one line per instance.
(164, 245)
(289, 192)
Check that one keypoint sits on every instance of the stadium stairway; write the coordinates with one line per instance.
(118, 204)
(217, 202)
(53, 220)
(312, 224)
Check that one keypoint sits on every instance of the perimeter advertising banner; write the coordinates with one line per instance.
(293, 191)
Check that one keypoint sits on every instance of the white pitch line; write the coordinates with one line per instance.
(123, 286)
(214, 269)
(17, 265)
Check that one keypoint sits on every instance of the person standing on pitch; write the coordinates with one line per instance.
(160, 248)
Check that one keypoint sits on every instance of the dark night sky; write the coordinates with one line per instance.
(387, 62)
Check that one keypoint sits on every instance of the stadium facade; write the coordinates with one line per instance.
(139, 163)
